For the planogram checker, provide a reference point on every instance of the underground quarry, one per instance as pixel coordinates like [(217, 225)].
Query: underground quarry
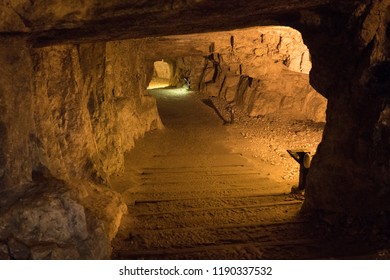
[(195, 129)]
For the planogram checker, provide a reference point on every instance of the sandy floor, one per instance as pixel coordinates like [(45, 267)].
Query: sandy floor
[(264, 141), (201, 189)]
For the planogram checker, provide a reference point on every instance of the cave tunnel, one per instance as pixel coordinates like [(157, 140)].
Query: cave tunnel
[(97, 161), (162, 74)]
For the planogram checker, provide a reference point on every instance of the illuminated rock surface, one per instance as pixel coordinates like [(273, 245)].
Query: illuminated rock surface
[(264, 70), (75, 117)]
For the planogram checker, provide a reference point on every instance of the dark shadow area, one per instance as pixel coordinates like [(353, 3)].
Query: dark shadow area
[(210, 103)]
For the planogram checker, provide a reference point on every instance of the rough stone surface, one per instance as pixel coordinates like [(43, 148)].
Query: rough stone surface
[(64, 143), (4, 252), (18, 250), (137, 111), (90, 106), (190, 67), (54, 252), (55, 220), (15, 111), (349, 47), (265, 70), (262, 69), (68, 112), (44, 213), (350, 173), (120, 19), (162, 70)]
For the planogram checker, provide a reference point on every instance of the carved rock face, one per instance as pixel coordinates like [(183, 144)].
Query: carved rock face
[(263, 69), (349, 173)]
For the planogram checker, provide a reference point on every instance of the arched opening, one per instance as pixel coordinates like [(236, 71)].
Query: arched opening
[(162, 75)]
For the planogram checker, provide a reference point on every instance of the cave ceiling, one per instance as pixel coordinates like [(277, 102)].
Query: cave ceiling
[(70, 21)]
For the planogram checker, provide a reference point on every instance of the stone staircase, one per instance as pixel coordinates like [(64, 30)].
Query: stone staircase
[(218, 208)]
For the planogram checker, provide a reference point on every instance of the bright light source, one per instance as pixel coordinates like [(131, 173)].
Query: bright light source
[(158, 83), (161, 75), (173, 91)]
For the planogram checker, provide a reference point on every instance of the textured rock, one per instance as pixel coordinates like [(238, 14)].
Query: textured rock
[(93, 92), (54, 220), (162, 70), (18, 250), (64, 142), (11, 19), (4, 252), (350, 173), (263, 69), (190, 67), (107, 208), (44, 213), (69, 111), (54, 252), (73, 21), (137, 111), (15, 111)]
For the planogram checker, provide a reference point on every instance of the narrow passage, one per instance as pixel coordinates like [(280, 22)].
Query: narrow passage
[(191, 195)]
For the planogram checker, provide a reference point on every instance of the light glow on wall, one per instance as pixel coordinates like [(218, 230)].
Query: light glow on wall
[(161, 75)]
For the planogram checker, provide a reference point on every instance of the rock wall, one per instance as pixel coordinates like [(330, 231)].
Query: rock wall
[(53, 219), (348, 42), (69, 113), (94, 105), (265, 71), (189, 67), (162, 74), (350, 172), (162, 70), (16, 112)]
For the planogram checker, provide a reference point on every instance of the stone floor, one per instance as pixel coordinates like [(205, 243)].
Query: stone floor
[(192, 194)]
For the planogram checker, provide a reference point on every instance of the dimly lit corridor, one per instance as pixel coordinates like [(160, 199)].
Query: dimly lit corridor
[(193, 192), (97, 161), (191, 196)]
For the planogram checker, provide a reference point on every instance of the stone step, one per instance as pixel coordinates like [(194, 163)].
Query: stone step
[(195, 160), (209, 209), (288, 249), (210, 202), (180, 169), (198, 178), (258, 214), (155, 197)]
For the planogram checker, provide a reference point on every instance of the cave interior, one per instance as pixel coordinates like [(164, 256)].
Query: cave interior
[(160, 129)]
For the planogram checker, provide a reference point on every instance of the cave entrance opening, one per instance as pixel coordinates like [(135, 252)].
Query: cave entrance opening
[(162, 74)]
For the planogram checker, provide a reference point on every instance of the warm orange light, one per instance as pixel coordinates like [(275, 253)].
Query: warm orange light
[(161, 75), (158, 83)]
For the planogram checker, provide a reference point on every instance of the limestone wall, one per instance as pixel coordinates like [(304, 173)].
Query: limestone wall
[(350, 172), (349, 46), (68, 114), (16, 76), (89, 107), (264, 70), (162, 70)]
